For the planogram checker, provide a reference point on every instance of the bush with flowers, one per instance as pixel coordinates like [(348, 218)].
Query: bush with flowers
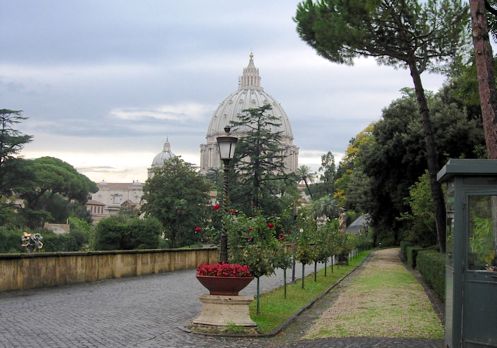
[(210, 234), (224, 270), (252, 241)]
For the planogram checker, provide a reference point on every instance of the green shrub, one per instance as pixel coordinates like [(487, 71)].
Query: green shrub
[(431, 265), (403, 249), (10, 240), (83, 233), (412, 253), (126, 233)]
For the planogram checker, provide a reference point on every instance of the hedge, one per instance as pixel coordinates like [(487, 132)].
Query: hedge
[(412, 253), (403, 252), (431, 265)]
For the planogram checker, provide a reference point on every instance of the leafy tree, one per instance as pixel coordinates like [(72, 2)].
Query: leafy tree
[(54, 186), (305, 239), (252, 242), (398, 146), (178, 197), (328, 170), (420, 219), (401, 33), (125, 233), (259, 162), (352, 186)]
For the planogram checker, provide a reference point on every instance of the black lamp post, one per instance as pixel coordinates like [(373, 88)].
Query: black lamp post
[(227, 146)]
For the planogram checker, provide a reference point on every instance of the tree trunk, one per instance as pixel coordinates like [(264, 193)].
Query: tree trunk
[(431, 156), (485, 73)]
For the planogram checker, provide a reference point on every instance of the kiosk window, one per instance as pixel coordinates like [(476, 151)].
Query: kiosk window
[(482, 233)]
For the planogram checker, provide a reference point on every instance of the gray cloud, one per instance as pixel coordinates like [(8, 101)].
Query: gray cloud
[(122, 76)]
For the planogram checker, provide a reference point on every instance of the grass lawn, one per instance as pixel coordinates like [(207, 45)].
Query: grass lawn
[(383, 300), (275, 310)]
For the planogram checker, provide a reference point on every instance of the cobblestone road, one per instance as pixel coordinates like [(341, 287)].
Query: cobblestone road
[(145, 311)]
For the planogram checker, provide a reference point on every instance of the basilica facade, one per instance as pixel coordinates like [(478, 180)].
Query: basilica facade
[(249, 94)]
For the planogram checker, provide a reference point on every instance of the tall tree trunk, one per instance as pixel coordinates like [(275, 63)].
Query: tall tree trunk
[(431, 156), (485, 72)]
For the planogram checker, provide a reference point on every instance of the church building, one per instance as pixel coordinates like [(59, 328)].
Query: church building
[(249, 94)]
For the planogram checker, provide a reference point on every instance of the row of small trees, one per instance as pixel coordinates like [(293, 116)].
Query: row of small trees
[(264, 245)]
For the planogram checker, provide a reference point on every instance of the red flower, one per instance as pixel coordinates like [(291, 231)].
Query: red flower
[(270, 225), (224, 270), (281, 237), (216, 207), (198, 229)]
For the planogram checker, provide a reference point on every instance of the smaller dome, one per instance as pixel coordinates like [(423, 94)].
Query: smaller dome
[(163, 156)]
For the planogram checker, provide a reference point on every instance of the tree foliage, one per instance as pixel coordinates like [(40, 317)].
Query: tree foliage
[(252, 242), (396, 143), (420, 217), (11, 139), (407, 34), (352, 186), (12, 173), (259, 162), (305, 174), (178, 197), (54, 191), (328, 172)]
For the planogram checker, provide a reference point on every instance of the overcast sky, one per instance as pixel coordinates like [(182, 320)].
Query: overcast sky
[(105, 82)]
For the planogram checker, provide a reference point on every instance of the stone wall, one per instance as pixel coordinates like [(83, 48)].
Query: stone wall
[(27, 271)]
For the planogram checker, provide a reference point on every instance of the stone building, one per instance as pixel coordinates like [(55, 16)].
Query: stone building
[(250, 94), (112, 197)]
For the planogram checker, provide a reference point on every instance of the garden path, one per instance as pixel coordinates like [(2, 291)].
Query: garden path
[(380, 305)]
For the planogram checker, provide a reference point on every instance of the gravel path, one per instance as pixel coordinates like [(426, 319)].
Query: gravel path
[(384, 300)]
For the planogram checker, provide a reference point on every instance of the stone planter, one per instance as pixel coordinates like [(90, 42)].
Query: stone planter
[(224, 286), (220, 314)]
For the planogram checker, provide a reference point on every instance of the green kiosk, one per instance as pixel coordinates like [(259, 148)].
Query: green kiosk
[(471, 266)]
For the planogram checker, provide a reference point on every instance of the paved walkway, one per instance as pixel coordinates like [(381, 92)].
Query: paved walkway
[(148, 311)]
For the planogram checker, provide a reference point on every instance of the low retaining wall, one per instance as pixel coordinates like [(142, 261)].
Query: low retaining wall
[(27, 271)]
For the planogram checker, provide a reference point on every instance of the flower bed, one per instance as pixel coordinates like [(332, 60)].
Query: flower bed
[(224, 270)]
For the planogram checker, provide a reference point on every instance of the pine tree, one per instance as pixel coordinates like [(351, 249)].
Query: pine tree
[(259, 160)]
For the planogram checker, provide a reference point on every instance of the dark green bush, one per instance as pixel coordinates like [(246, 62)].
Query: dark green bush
[(10, 240), (431, 265), (403, 250), (126, 233), (412, 253), (72, 241)]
